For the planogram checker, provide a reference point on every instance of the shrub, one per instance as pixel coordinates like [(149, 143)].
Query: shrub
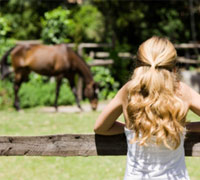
[(4, 27), (5, 44), (36, 92), (57, 26), (89, 24), (123, 66), (40, 92), (6, 94), (108, 85)]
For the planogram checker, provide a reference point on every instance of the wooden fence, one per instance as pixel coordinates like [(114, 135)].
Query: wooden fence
[(103, 62), (78, 145)]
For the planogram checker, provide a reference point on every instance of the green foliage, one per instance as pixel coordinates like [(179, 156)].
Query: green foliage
[(122, 67), (26, 28), (61, 25), (36, 92), (107, 83), (89, 24), (132, 22), (170, 24), (22, 18), (57, 26), (6, 44), (6, 94), (4, 27), (191, 68)]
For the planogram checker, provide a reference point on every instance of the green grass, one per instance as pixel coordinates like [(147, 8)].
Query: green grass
[(192, 163), (35, 122)]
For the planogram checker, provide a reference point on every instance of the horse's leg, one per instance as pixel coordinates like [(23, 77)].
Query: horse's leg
[(58, 84), (74, 90), (16, 89), (17, 83), (19, 78)]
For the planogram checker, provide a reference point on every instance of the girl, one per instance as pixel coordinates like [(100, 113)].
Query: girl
[(154, 104)]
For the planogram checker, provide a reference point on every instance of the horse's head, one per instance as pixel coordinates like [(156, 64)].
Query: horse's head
[(91, 92)]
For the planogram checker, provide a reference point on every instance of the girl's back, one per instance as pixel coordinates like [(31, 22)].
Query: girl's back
[(154, 162)]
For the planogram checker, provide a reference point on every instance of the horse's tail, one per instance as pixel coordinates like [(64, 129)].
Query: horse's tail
[(4, 67)]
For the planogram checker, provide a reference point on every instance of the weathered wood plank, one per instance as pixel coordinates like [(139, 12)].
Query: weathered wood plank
[(78, 145), (101, 62), (25, 42), (187, 45), (187, 60)]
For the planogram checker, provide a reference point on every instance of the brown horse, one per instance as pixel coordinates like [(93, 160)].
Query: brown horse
[(50, 60)]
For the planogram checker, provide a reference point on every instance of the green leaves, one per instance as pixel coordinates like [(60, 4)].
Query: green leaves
[(38, 91), (61, 25), (89, 24), (107, 83), (57, 26), (4, 27), (170, 23)]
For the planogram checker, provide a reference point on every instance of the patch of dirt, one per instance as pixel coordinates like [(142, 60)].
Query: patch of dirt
[(74, 108)]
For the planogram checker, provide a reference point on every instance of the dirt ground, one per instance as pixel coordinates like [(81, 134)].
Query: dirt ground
[(74, 108)]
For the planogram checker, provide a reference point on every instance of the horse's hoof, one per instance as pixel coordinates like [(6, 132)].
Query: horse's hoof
[(17, 108), (56, 109), (81, 109)]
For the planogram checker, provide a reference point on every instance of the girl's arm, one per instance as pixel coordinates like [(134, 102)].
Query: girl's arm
[(194, 102), (106, 123), (194, 105)]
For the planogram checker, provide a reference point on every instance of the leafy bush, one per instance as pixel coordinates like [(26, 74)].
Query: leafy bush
[(108, 85), (6, 94), (5, 44), (57, 26), (36, 92), (61, 25), (4, 27), (22, 18), (89, 24), (122, 67), (170, 24)]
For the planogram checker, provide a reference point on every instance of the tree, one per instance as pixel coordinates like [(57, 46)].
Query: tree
[(89, 24), (57, 26)]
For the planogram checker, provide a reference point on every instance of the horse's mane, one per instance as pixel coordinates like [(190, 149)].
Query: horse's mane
[(81, 58)]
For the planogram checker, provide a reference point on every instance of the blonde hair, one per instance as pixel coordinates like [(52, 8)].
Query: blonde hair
[(153, 105)]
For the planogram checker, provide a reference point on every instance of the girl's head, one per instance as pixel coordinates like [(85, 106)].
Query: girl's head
[(157, 52), (154, 107)]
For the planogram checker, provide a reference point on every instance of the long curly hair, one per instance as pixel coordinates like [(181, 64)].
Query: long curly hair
[(154, 107)]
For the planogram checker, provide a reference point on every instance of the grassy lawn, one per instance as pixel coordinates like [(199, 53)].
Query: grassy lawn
[(35, 122)]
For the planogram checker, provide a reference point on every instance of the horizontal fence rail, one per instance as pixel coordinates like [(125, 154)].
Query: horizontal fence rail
[(81, 46), (78, 145)]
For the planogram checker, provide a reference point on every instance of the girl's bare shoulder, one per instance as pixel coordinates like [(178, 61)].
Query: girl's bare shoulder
[(123, 92), (185, 92)]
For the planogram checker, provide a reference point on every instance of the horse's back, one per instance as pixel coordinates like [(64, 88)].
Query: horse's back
[(44, 59), (17, 56)]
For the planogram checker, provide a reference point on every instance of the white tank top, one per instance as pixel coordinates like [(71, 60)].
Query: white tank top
[(154, 162)]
